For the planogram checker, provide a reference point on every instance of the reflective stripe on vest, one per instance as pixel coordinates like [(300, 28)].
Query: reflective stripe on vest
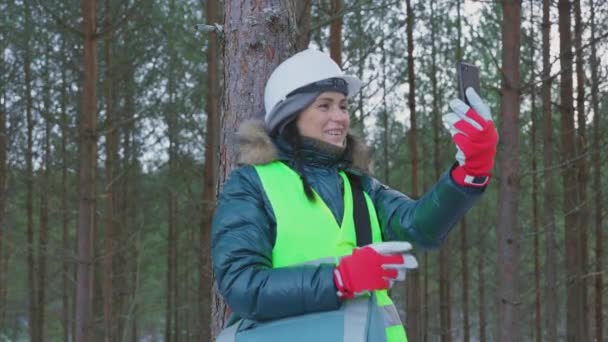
[(307, 232)]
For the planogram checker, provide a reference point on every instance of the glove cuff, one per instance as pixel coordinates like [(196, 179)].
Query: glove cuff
[(461, 177), (342, 291)]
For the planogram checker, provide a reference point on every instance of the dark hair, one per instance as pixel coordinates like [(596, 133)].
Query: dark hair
[(292, 135)]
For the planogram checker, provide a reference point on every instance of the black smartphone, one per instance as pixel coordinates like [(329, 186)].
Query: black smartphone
[(468, 76)]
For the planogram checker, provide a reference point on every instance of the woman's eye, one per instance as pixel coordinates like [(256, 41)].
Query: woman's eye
[(324, 106)]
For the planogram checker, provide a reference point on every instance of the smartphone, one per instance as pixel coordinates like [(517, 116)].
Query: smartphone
[(468, 76)]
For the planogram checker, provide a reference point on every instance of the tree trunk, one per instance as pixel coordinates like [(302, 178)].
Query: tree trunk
[(423, 267), (134, 328), (253, 48), (97, 317), (179, 287), (357, 112), (127, 265), (66, 283), (171, 329), (210, 172), (174, 219), (463, 224), (574, 292), (549, 192), (536, 227), (29, 182), (508, 234), (88, 163), (303, 15), (3, 187), (582, 175), (597, 184), (464, 246), (109, 210), (43, 240), (43, 237), (445, 250), (335, 32), (386, 135), (170, 311), (174, 241), (436, 172), (126, 247), (413, 298), (481, 259), (537, 330), (426, 299)]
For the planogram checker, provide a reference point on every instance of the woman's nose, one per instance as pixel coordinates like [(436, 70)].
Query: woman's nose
[(339, 114)]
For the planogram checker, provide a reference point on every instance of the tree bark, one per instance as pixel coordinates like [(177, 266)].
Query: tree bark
[(170, 305), (172, 322), (445, 250), (413, 298), (443, 318), (29, 174), (481, 285), (537, 330), (303, 15), (597, 184), (574, 291), (43, 237), (211, 170), (464, 264), (253, 48), (88, 163), (357, 112), (508, 232), (423, 268), (3, 187), (127, 265), (335, 32), (386, 134), (110, 188), (426, 299), (549, 193), (463, 224), (536, 227), (66, 284), (170, 330), (171, 315), (582, 174)]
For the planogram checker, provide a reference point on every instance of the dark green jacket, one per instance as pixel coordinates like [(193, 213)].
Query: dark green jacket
[(244, 225)]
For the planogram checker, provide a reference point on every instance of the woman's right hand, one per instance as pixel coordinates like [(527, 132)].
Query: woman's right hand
[(476, 138)]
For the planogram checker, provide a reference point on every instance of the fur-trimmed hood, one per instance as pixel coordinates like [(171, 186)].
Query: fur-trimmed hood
[(257, 147)]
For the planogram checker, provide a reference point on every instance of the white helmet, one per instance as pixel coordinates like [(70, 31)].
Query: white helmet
[(299, 70)]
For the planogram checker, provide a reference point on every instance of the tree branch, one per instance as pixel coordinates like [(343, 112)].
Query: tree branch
[(58, 19)]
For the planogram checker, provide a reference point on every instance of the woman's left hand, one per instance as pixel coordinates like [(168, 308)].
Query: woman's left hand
[(475, 136)]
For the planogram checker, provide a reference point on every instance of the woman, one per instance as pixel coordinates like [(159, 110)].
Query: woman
[(289, 208)]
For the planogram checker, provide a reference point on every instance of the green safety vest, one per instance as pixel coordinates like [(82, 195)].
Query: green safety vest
[(307, 231)]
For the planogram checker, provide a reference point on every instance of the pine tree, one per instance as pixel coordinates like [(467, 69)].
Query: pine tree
[(508, 231), (248, 61)]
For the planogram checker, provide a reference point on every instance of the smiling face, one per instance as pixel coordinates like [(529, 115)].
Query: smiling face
[(326, 119)]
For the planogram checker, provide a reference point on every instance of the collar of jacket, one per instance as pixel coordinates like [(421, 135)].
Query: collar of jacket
[(257, 147)]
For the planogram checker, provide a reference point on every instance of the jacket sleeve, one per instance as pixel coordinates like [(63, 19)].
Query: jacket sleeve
[(426, 221), (242, 238)]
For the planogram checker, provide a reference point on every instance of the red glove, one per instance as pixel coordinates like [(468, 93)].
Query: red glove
[(363, 271), (475, 136)]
